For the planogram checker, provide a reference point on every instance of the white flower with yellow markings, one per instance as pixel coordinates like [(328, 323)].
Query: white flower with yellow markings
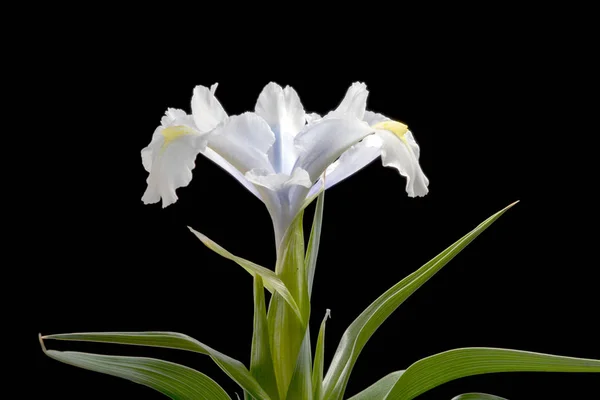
[(279, 152)]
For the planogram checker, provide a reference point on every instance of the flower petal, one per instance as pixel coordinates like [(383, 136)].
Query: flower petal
[(354, 103), (206, 109), (278, 181), (170, 156), (243, 141), (221, 162), (283, 111), (403, 154), (311, 117), (322, 142), (352, 160)]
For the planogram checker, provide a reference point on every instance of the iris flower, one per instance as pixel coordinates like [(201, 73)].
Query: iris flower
[(280, 153)]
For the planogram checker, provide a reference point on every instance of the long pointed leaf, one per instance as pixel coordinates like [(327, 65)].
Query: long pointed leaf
[(477, 396), (173, 380), (363, 327), (233, 368), (312, 249), (379, 389), (270, 279), (318, 366), (261, 363), (435, 370)]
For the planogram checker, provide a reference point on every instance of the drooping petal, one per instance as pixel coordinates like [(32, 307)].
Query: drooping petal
[(206, 109), (170, 157), (402, 153), (283, 111), (322, 142), (354, 103), (243, 141), (352, 160)]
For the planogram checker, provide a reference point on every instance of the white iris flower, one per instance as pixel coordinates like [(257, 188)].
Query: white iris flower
[(280, 153)]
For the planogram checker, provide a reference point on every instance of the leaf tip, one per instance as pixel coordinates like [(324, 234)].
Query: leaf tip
[(41, 339), (327, 313)]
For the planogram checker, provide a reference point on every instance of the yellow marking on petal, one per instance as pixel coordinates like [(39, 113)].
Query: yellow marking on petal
[(397, 128), (173, 132)]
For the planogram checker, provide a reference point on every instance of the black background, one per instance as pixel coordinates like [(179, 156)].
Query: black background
[(487, 104)]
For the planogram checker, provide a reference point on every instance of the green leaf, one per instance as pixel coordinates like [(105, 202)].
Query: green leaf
[(379, 389), (317, 377), (435, 370), (287, 331), (233, 368), (477, 396), (173, 380), (270, 279), (261, 363), (312, 249), (301, 384), (363, 327)]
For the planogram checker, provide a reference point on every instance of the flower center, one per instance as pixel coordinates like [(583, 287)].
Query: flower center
[(397, 128), (173, 132)]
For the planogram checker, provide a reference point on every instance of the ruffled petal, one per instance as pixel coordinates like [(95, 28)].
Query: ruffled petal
[(170, 157), (243, 141), (283, 111), (402, 153), (206, 109)]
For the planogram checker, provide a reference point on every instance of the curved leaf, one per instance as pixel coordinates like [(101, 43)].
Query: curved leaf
[(270, 279), (363, 327), (477, 396), (435, 370), (379, 389), (233, 368), (173, 380)]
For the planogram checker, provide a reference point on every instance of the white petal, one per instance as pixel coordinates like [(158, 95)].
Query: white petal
[(404, 156), (171, 167), (278, 181), (206, 109), (355, 101), (322, 142), (221, 162), (312, 117), (352, 160), (372, 118), (243, 141), (283, 111)]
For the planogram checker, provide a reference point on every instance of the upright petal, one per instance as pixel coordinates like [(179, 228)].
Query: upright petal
[(170, 157), (206, 109), (243, 141), (354, 103), (283, 111), (402, 153)]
